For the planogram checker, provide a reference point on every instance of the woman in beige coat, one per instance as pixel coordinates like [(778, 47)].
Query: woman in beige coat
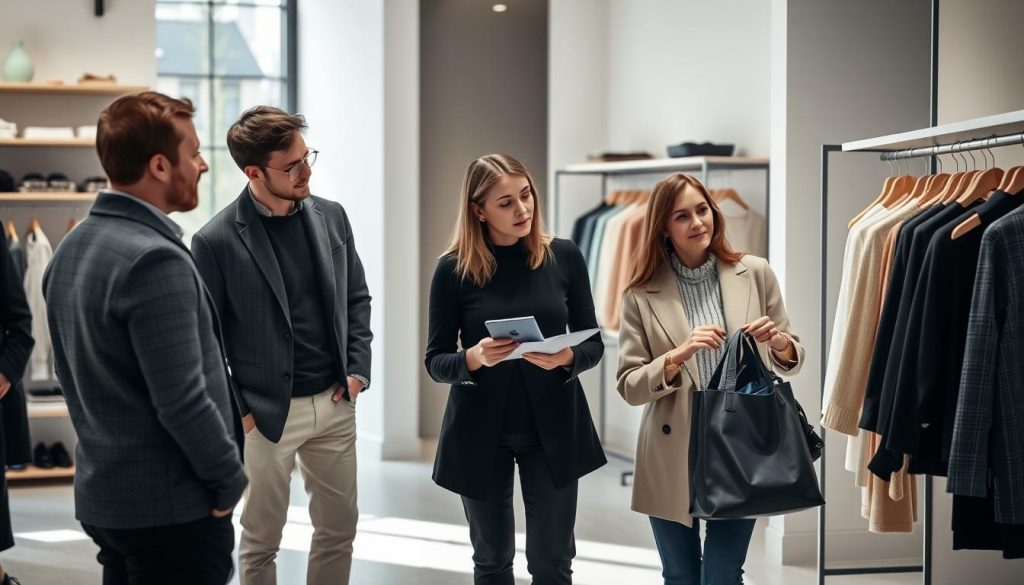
[(688, 290)]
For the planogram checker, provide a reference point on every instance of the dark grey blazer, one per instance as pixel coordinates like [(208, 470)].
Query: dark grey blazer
[(136, 347), (237, 262)]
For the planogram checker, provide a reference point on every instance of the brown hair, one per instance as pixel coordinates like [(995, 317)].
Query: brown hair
[(134, 129), (469, 242), (260, 132), (655, 247)]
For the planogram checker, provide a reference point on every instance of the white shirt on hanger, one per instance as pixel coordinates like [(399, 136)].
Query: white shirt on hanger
[(37, 256), (745, 229)]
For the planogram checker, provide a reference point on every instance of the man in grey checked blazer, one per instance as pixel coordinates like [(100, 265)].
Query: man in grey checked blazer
[(137, 350), (987, 453), (289, 286)]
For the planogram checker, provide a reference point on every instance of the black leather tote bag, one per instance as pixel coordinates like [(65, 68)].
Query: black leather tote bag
[(749, 452)]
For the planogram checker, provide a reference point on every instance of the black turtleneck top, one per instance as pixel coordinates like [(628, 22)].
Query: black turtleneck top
[(557, 295)]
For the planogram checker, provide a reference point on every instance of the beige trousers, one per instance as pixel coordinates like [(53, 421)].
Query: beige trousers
[(323, 435)]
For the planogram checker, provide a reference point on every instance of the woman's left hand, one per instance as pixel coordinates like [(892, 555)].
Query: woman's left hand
[(550, 361), (764, 330)]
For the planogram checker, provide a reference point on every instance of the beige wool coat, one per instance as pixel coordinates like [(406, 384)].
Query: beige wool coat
[(653, 323)]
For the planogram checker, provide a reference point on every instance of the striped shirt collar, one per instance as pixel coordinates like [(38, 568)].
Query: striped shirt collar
[(266, 212)]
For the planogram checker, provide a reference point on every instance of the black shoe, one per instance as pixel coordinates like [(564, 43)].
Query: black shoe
[(16, 467), (41, 458), (60, 456)]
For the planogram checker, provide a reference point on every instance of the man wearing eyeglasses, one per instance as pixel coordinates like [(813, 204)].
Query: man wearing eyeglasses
[(283, 271)]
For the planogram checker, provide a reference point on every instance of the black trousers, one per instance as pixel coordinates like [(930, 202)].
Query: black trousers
[(196, 553), (550, 519)]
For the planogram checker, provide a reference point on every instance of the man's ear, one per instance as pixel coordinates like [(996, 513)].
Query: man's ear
[(253, 172), (161, 168)]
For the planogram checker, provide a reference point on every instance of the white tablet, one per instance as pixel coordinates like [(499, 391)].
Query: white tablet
[(521, 329)]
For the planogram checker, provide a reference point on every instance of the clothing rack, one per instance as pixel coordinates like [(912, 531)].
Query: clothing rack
[(979, 134), (698, 164)]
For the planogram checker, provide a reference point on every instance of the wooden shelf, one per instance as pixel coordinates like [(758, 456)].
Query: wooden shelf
[(32, 472), (55, 409), (70, 142), (70, 89), (47, 197)]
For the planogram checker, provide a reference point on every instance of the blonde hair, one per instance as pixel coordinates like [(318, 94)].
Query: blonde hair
[(469, 239), (654, 249)]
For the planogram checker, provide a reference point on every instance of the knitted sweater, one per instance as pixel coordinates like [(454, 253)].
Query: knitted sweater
[(702, 302)]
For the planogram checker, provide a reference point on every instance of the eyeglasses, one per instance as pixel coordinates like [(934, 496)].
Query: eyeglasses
[(295, 171)]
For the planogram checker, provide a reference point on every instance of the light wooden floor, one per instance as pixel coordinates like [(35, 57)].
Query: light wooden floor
[(411, 532)]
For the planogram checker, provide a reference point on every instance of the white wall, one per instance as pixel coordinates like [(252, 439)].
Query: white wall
[(688, 70), (483, 90), (363, 122), (843, 73), (78, 42)]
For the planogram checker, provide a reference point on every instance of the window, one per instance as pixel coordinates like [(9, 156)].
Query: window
[(225, 56)]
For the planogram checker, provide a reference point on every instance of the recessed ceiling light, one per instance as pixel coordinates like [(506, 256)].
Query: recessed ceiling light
[(499, 8)]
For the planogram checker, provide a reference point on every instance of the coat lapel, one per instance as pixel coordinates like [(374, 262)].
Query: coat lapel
[(255, 238), (734, 280), (667, 307), (316, 225)]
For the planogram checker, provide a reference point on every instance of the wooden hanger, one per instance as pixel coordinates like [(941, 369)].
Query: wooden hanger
[(12, 231), (956, 188), (934, 189), (902, 187), (731, 195), (1013, 180), (71, 224), (886, 189), (979, 188), (915, 191), (981, 185), (33, 225)]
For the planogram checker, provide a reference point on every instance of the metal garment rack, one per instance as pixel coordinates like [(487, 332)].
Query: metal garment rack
[(979, 134), (702, 164)]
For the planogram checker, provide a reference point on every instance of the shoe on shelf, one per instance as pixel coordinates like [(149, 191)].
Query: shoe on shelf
[(41, 458), (16, 467), (60, 456)]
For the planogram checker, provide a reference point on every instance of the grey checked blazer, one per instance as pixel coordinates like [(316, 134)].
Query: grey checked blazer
[(136, 347), (988, 433), (237, 262)]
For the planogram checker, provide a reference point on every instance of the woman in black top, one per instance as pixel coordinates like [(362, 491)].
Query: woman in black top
[(531, 412)]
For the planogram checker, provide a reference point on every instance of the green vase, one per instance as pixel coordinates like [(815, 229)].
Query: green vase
[(17, 66)]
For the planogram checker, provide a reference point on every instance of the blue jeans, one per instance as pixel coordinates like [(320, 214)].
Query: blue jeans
[(725, 549)]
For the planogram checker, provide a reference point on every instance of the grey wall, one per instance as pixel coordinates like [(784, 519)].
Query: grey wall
[(483, 88), (979, 75)]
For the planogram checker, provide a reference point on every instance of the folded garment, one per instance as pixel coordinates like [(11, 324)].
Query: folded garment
[(8, 129), (618, 156), (49, 133), (86, 132)]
